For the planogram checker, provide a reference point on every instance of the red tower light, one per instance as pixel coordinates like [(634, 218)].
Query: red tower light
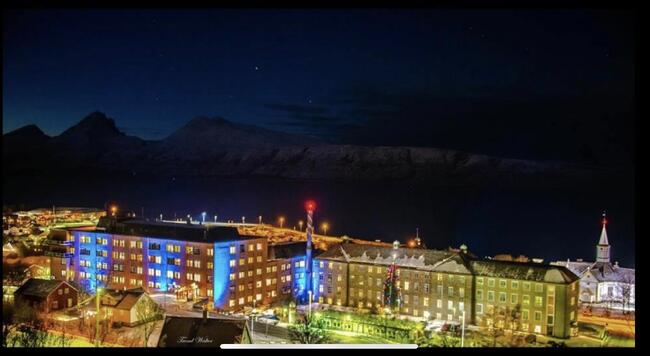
[(310, 205)]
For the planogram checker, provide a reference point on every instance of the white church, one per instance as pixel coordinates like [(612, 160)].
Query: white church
[(602, 281)]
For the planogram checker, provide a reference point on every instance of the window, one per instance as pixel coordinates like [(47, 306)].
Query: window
[(439, 290), (479, 308), (233, 250), (232, 277), (450, 291), (233, 263), (538, 315), (490, 296), (461, 306), (538, 301), (539, 287), (479, 281), (527, 286), (503, 283), (525, 299), (490, 282), (210, 252), (513, 298), (525, 314), (450, 304), (479, 294), (461, 292), (503, 297), (514, 285), (406, 285)]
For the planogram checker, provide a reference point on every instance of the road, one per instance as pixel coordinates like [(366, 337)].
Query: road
[(620, 325)]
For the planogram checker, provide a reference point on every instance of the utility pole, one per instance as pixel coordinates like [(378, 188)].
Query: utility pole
[(462, 337), (97, 302)]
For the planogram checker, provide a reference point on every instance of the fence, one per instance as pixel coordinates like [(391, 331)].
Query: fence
[(367, 328)]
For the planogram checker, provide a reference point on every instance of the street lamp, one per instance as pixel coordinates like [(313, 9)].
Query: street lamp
[(260, 219), (98, 292), (325, 226), (203, 216), (462, 337), (160, 217), (300, 224), (215, 218), (281, 221), (310, 298), (113, 210), (243, 220)]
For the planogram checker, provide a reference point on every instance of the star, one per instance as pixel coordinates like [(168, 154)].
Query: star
[(309, 101), (257, 68)]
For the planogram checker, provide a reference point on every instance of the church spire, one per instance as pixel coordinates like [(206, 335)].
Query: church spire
[(602, 250)]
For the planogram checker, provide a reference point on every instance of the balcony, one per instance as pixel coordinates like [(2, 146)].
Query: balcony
[(59, 254), (52, 242)]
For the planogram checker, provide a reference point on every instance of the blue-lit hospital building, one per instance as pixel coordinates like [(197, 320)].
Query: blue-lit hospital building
[(192, 261)]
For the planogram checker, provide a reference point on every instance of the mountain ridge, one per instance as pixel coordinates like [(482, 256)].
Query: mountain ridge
[(215, 146)]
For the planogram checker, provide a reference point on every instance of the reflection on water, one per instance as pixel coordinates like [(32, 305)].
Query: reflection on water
[(551, 224)]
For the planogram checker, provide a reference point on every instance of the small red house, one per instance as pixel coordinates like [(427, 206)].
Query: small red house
[(46, 295)]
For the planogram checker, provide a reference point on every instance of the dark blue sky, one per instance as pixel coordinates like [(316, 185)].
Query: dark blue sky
[(539, 84)]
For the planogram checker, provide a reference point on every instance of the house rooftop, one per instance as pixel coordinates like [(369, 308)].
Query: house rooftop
[(523, 271), (41, 288), (169, 230), (432, 260)]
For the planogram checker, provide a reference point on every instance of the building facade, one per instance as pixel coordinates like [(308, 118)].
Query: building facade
[(450, 285), (46, 295), (603, 281), (194, 261)]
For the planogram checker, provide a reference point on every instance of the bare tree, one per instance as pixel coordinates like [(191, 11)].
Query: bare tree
[(147, 312), (625, 288), (309, 330)]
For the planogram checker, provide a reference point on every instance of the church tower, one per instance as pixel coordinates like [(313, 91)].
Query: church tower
[(602, 249)]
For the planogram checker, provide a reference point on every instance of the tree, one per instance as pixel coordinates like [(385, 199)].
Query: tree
[(147, 312), (392, 295), (8, 326), (625, 291), (28, 328), (309, 330)]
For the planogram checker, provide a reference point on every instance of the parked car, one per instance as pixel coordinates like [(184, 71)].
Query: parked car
[(434, 325), (268, 319)]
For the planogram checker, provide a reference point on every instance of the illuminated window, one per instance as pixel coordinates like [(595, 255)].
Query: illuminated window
[(210, 252), (250, 273), (250, 259), (197, 277), (439, 303), (241, 300), (258, 271), (321, 264), (525, 314), (210, 265), (525, 299), (538, 301), (242, 275), (232, 277), (406, 285), (259, 259), (231, 303), (242, 261), (259, 246), (233, 250)]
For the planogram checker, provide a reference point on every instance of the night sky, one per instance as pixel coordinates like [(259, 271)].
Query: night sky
[(527, 84)]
